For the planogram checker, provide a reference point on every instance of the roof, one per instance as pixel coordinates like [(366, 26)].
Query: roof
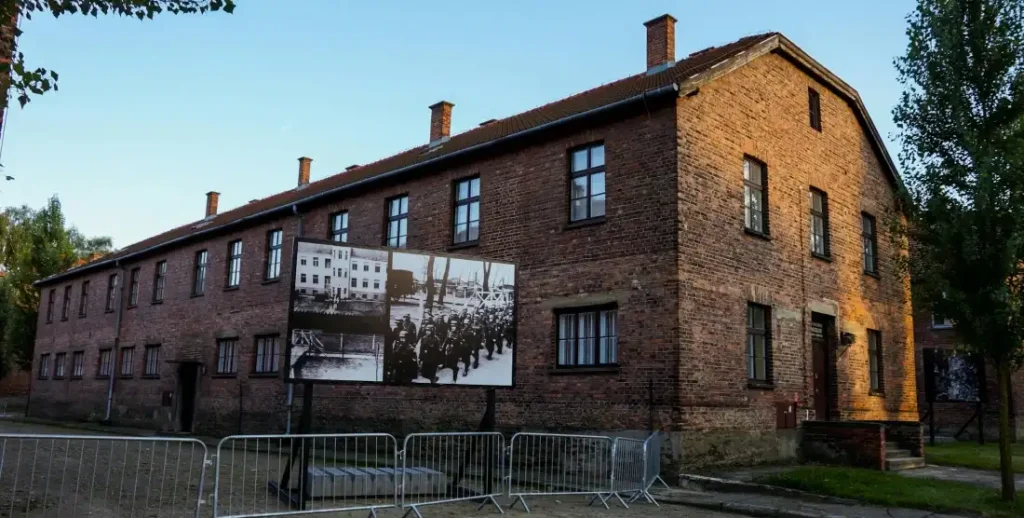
[(696, 68)]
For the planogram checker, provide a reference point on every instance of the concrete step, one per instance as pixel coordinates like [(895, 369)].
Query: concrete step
[(896, 453), (904, 463)]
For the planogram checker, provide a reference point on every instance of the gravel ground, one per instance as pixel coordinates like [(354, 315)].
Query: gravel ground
[(148, 478)]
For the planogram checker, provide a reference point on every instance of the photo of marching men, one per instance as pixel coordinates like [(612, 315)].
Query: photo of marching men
[(452, 321), (339, 313)]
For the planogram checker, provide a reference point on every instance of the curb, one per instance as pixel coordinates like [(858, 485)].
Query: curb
[(711, 484), (100, 428), (741, 508)]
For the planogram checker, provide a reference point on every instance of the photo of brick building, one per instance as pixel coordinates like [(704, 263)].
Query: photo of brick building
[(726, 211)]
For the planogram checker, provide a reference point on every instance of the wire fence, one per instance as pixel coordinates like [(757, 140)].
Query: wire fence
[(71, 475), (560, 464), (441, 468), (261, 475), (282, 475)]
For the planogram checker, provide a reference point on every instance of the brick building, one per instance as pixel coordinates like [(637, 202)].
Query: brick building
[(956, 413), (726, 208)]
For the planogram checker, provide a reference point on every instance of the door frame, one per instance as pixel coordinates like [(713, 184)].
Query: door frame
[(180, 399), (829, 403)]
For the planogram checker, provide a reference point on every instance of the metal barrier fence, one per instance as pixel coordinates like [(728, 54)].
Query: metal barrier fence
[(560, 464), (629, 475), (654, 462), (441, 468), (70, 475), (278, 475)]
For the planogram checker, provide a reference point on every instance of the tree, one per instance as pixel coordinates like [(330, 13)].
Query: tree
[(961, 122), (444, 281), (25, 80), (34, 245)]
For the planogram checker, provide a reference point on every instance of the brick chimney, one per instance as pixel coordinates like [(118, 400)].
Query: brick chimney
[(661, 43), (211, 203), (440, 122), (304, 163)]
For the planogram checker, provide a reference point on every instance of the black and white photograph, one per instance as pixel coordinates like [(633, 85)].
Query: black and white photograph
[(952, 376), (339, 313), (452, 321)]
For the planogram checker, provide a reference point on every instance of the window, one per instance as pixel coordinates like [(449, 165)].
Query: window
[(59, 366), (159, 281), (398, 221), (588, 337), (586, 193), (77, 364), (467, 211), (151, 366), (274, 240), (366, 267), (339, 227), (234, 263), (49, 306), (302, 261), (316, 279), (870, 243), (875, 371), (83, 299), (127, 362), (366, 284), (266, 354), (302, 277), (814, 107), (316, 261), (133, 292), (105, 364), (65, 308), (111, 292), (755, 196), (376, 284), (376, 268), (759, 343), (327, 263), (940, 321), (199, 275), (44, 366), (226, 355), (355, 282), (819, 223)]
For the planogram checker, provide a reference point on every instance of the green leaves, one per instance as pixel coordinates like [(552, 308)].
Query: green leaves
[(961, 122), (27, 82), (34, 244)]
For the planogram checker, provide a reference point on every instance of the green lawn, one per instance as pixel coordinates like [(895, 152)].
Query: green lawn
[(892, 490), (972, 455)]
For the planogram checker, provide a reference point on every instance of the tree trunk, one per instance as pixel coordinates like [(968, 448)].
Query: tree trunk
[(487, 276), (429, 303), (444, 282), (1005, 455)]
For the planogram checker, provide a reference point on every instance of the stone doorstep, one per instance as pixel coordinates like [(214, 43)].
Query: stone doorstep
[(712, 484), (896, 453), (904, 463)]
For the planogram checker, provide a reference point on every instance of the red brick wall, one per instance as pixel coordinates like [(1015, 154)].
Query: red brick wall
[(760, 110), (672, 254), (628, 259), (856, 444)]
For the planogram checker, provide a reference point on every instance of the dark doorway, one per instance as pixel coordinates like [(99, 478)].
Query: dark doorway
[(188, 374), (822, 341)]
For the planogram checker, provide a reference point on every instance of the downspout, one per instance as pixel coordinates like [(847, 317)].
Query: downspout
[(291, 386), (117, 342)]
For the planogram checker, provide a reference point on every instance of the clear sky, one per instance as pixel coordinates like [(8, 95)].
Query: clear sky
[(151, 115)]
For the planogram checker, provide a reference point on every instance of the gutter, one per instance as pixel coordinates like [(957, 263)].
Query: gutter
[(115, 350), (649, 94)]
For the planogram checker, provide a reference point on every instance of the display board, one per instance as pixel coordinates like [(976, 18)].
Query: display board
[(375, 315), (952, 377)]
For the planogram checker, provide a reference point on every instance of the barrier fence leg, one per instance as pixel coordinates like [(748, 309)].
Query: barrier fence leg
[(519, 498), (412, 511), (490, 499)]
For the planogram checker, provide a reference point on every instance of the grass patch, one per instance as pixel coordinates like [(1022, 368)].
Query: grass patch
[(973, 455), (892, 490)]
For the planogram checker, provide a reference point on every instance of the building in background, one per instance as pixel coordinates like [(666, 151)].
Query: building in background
[(698, 250)]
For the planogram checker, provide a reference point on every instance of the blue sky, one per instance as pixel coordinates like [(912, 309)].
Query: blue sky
[(151, 115)]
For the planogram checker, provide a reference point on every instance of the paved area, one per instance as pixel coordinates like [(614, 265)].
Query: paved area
[(767, 505), (977, 477)]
